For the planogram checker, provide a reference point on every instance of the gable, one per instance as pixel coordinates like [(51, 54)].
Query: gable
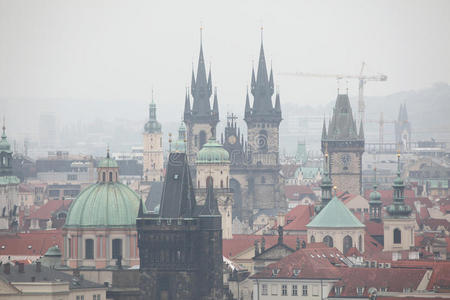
[(277, 252)]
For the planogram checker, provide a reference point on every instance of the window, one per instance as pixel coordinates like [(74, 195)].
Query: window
[(263, 180), (347, 243), (360, 243), (383, 289), (116, 248), (294, 290), (315, 290), (264, 289), (360, 291), (305, 290), (328, 240), (202, 138), (338, 290), (313, 239), (80, 297), (283, 290), (110, 176), (273, 289), (406, 290), (96, 297), (103, 176), (397, 236), (89, 249)]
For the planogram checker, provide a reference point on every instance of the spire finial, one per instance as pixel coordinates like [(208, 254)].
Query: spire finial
[(375, 178), (4, 127), (398, 163), (153, 94), (335, 190), (262, 34), (107, 151), (201, 33)]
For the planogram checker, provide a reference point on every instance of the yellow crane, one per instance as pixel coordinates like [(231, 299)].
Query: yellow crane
[(363, 79)]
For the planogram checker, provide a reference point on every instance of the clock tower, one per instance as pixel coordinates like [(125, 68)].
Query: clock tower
[(345, 146)]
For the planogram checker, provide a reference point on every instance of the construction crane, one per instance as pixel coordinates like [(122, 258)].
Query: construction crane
[(362, 81), (381, 123)]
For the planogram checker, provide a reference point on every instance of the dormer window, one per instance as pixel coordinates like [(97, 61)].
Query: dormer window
[(275, 272), (360, 291), (296, 272), (338, 290)]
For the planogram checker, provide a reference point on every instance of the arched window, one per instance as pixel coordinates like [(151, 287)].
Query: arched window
[(198, 183), (110, 176), (116, 248), (263, 180), (348, 242), (313, 239), (89, 249), (221, 184), (397, 236), (360, 244), (209, 179), (328, 240), (103, 176)]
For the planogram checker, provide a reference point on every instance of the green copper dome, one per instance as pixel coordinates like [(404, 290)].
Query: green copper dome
[(335, 215), (53, 251), (212, 153), (375, 196), (104, 205), (4, 145)]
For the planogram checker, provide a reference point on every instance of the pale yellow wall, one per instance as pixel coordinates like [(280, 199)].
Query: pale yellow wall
[(219, 173), (358, 203), (338, 235), (406, 226), (317, 289), (192, 133), (153, 158)]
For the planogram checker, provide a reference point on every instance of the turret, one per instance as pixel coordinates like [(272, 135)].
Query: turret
[(398, 208), (375, 201)]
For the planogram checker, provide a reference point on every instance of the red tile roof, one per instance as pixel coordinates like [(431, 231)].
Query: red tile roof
[(434, 224), (374, 228), (242, 242), (445, 209), (387, 195), (353, 252), (440, 276), (46, 210), (310, 263), (298, 217), (371, 247), (392, 279), (40, 241)]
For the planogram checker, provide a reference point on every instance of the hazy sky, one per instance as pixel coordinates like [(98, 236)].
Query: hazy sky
[(116, 50)]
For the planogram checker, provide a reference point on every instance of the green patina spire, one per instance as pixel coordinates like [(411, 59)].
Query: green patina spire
[(398, 208)]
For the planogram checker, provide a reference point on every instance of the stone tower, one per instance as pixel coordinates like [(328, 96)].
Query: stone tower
[(398, 224), (403, 130), (180, 247), (326, 187), (375, 202), (200, 119), (153, 159), (261, 185), (345, 146)]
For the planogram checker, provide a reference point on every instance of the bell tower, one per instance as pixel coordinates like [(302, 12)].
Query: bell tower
[(345, 146), (200, 119), (153, 149)]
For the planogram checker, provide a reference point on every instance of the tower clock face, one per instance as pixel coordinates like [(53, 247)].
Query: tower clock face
[(345, 158), (232, 139)]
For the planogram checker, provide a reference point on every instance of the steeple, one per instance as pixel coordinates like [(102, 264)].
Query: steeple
[(262, 89), (398, 208), (361, 131), (277, 104), (375, 201), (247, 106), (324, 130), (342, 125), (210, 207), (326, 185), (187, 106), (5, 154), (215, 105), (152, 126)]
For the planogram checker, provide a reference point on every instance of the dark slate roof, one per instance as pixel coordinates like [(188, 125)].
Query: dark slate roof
[(53, 165), (178, 199), (154, 195), (129, 167), (46, 275), (342, 125)]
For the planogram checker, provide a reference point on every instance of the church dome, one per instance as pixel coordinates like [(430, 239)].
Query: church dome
[(212, 153), (152, 126), (110, 204)]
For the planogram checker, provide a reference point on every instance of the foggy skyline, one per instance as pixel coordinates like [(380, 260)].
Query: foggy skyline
[(116, 51)]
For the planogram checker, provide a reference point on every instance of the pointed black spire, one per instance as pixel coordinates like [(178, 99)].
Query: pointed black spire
[(193, 82), (277, 104), (215, 106), (141, 208), (209, 82), (361, 131), (187, 106), (247, 106), (253, 84), (324, 130), (210, 208), (271, 84)]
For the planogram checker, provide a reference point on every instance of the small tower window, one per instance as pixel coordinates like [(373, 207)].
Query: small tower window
[(116, 248), (89, 249), (397, 236), (328, 240), (110, 177), (313, 239), (103, 177), (221, 184)]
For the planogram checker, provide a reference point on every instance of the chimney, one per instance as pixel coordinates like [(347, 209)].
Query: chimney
[(38, 267), (21, 267), (7, 268), (281, 219)]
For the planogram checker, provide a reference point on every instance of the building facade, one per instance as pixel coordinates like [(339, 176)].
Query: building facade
[(153, 158), (345, 146), (100, 229), (181, 245)]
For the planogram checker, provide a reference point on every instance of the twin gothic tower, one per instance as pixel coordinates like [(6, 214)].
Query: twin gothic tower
[(254, 163)]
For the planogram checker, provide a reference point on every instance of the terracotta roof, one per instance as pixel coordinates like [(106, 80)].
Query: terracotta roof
[(309, 263), (440, 276), (424, 214), (298, 217), (289, 170), (374, 228), (371, 246), (297, 192), (445, 209), (26, 188), (353, 252), (387, 195), (408, 298), (435, 223), (46, 210), (33, 243), (242, 242), (395, 280)]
